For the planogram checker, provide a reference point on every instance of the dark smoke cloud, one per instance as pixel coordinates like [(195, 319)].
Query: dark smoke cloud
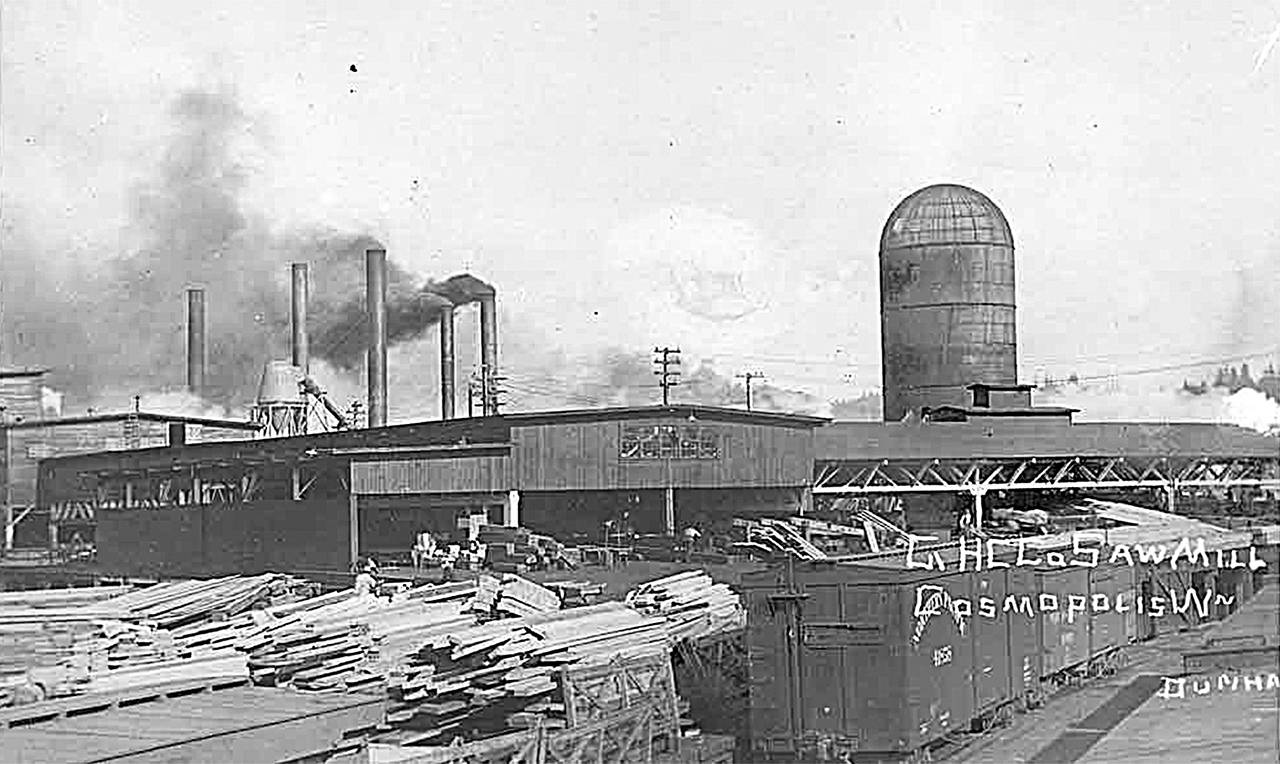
[(338, 328), (117, 324)]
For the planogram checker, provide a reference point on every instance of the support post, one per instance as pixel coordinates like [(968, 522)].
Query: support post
[(669, 510), (295, 482), (977, 508), (511, 510), (1171, 498), (53, 532), (353, 525), (8, 527)]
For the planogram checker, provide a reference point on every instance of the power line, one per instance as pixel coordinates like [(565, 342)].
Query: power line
[(668, 374)]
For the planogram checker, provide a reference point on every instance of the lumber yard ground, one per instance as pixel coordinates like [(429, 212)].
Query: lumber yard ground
[(1136, 716)]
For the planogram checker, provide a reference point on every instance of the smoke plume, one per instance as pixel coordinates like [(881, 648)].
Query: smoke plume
[(115, 327)]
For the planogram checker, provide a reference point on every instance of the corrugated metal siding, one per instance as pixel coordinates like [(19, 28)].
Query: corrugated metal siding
[(587, 456), (473, 474), (857, 441)]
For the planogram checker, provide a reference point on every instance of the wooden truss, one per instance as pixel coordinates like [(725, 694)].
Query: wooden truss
[(1042, 473)]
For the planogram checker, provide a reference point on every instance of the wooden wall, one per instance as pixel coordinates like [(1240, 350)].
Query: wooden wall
[(454, 475), (217, 540), (586, 456)]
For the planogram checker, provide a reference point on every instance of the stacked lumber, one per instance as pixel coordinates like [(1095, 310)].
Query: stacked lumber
[(773, 539), (512, 595), (182, 603), (483, 681), (693, 605), (344, 641)]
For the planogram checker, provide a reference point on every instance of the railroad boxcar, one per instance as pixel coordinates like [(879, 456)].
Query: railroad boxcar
[(872, 659), (875, 659)]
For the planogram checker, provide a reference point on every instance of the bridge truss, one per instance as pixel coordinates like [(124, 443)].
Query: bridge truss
[(978, 477)]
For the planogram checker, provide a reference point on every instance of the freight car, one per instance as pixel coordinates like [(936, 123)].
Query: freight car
[(880, 658)]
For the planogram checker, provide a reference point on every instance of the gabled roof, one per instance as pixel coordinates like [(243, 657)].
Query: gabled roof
[(682, 411)]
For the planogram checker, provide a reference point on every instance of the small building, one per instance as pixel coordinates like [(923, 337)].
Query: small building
[(31, 432)]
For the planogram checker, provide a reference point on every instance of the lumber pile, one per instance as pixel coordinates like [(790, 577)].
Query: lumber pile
[(347, 641), (693, 605), (771, 539), (512, 595), (486, 680)]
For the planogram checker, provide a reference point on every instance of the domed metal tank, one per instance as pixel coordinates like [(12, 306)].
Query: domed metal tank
[(946, 299)]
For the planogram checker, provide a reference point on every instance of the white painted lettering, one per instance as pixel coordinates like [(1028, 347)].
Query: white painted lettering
[(1102, 603), (1048, 603), (1022, 554), (1121, 607), (1229, 679), (1075, 604), (1254, 562), (1184, 549), (991, 554), (1019, 604), (1190, 595), (1091, 553), (1225, 600), (1196, 688), (1251, 681), (1173, 688), (963, 608), (912, 562), (986, 607), (1152, 555), (1056, 559), (1157, 606), (1118, 551), (1273, 682)]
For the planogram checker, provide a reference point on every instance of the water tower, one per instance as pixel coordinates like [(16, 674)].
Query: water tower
[(947, 300)]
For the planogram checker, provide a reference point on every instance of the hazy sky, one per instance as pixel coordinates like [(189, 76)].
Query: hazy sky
[(588, 161)]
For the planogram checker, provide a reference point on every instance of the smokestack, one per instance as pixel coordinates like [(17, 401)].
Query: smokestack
[(376, 309), (301, 357), (488, 347), (448, 371), (195, 341)]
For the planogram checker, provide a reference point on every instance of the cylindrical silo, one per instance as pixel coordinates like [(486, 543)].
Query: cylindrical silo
[(946, 299)]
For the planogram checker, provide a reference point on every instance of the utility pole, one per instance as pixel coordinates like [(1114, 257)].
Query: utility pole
[(474, 391), (668, 374), (749, 377), (492, 391)]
